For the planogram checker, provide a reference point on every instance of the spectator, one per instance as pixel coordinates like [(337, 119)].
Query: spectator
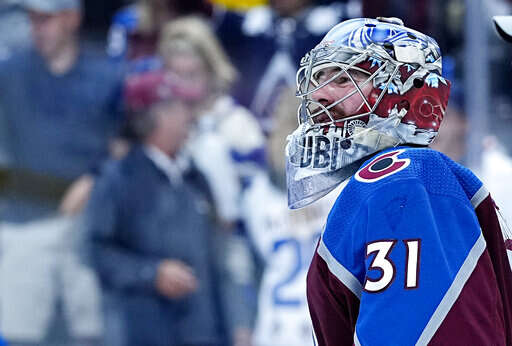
[(56, 100), (452, 140), (150, 228), (496, 167), (284, 239), (267, 42), (280, 34), (419, 13), (135, 29), (227, 146), (12, 15), (239, 5), (201, 74)]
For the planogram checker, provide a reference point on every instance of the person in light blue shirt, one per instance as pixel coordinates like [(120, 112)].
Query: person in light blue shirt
[(56, 108)]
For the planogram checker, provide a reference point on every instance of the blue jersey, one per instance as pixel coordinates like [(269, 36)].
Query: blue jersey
[(412, 254)]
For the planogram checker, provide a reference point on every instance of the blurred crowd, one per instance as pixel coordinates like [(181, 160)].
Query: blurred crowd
[(142, 178)]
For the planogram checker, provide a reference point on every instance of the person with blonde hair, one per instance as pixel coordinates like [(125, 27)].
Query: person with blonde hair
[(193, 35), (201, 74), (227, 147)]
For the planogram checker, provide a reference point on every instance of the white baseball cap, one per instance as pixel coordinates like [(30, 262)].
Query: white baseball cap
[(52, 6), (503, 25)]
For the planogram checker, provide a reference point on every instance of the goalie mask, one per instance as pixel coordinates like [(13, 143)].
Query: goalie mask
[(370, 84)]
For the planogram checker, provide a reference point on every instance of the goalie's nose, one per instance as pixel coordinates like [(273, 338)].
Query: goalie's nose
[(324, 95)]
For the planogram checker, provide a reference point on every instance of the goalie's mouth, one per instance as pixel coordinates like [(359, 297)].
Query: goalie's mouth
[(323, 118)]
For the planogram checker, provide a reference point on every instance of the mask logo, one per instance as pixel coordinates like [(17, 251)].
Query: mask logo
[(382, 166), (318, 152)]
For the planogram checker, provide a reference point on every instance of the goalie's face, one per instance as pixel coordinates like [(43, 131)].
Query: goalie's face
[(344, 96)]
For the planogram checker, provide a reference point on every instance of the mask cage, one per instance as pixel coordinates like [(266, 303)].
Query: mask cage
[(346, 59)]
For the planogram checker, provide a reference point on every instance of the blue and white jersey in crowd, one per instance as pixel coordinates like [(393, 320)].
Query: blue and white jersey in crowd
[(228, 148), (286, 240)]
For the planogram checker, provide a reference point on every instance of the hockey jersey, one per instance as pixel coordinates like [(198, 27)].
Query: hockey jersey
[(412, 254), (285, 239)]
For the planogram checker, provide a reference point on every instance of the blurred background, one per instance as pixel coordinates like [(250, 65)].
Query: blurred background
[(142, 188)]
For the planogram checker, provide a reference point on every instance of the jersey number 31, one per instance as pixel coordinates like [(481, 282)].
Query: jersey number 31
[(385, 265)]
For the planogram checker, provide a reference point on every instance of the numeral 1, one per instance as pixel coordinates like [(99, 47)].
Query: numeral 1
[(412, 265)]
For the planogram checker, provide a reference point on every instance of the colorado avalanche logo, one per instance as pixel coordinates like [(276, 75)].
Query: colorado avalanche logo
[(382, 166)]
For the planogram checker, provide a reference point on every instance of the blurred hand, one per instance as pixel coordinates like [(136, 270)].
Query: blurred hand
[(76, 195), (175, 279), (118, 148), (242, 337)]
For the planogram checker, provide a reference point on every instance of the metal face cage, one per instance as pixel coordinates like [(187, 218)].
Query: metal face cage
[(344, 60)]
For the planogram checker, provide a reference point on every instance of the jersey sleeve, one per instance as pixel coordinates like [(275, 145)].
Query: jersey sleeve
[(411, 267), (333, 295)]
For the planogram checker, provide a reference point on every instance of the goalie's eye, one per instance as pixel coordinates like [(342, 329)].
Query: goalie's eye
[(340, 77), (341, 80), (325, 74), (318, 76)]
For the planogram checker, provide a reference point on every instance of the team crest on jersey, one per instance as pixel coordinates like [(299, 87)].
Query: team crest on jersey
[(382, 166)]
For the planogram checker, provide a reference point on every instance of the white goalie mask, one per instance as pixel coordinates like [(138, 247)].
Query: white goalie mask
[(370, 84)]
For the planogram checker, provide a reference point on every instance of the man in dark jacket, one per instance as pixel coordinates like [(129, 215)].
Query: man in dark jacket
[(150, 230)]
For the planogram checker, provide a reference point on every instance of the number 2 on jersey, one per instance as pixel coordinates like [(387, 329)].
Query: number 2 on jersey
[(301, 252)]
